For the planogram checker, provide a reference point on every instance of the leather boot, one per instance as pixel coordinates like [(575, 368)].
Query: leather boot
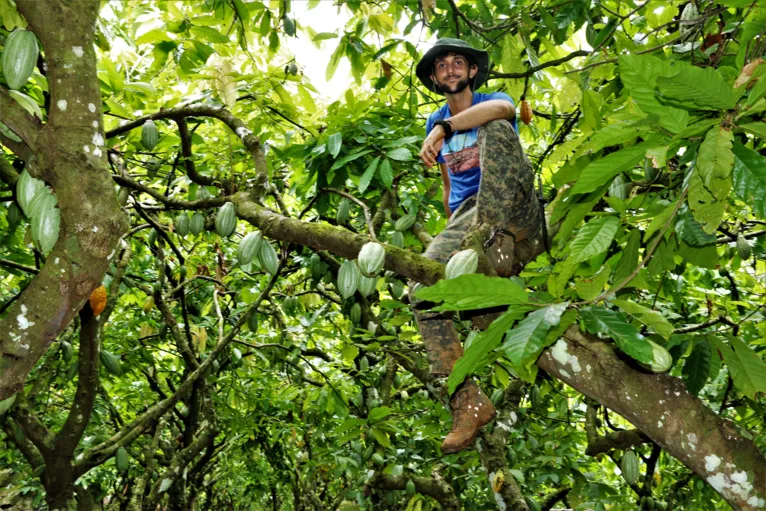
[(471, 410)]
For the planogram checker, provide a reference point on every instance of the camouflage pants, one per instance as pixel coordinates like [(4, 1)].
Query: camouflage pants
[(506, 201)]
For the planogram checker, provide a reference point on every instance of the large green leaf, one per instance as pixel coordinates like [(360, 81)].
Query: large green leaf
[(651, 318), (745, 367), (706, 209), (697, 366), (698, 87), (690, 231), (715, 161), (369, 173), (334, 143), (603, 170), (525, 341), (473, 291), (594, 238), (629, 258), (750, 177), (613, 324)]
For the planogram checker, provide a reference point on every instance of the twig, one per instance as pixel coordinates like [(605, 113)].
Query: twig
[(220, 316), (614, 59), (533, 70), (702, 326), (367, 217)]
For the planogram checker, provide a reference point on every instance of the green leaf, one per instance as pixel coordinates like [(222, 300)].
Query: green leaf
[(386, 173), (690, 231), (211, 34), (745, 367), (704, 257), (651, 318), (629, 258), (381, 437), (755, 128), (349, 158), (697, 366), (332, 65), (369, 173), (706, 209), (400, 154), (334, 143), (603, 170), (612, 323), (379, 413), (698, 87), (715, 161), (473, 291), (594, 238), (323, 36), (29, 104), (750, 177), (525, 341), (589, 288)]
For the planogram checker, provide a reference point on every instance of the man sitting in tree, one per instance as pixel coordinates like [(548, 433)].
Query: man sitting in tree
[(488, 182)]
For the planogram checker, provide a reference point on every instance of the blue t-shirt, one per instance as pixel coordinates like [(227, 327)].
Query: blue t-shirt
[(461, 152)]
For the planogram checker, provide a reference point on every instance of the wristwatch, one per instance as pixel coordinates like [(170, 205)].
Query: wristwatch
[(446, 126)]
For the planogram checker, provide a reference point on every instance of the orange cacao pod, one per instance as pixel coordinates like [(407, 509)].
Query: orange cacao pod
[(98, 300), (526, 112)]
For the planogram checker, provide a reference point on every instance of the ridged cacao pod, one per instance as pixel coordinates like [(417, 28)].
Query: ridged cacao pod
[(647, 503), (377, 458), (226, 220), (111, 362), (372, 256), (26, 189), (252, 322), (316, 267), (14, 215), (355, 314), (535, 396), (405, 222), (743, 248), (629, 467), (661, 362), (462, 263), (197, 223), (410, 488), (397, 239), (121, 460), (182, 224), (367, 285), (249, 247), (19, 57), (66, 351), (42, 201), (348, 278), (45, 224), (660, 505), (98, 300), (267, 256), (291, 305), (344, 207), (526, 112), (690, 13), (618, 187), (150, 135)]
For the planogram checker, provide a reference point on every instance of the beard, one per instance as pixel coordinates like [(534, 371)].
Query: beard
[(454, 89)]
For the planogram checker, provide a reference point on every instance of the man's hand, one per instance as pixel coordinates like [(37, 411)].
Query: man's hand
[(432, 145)]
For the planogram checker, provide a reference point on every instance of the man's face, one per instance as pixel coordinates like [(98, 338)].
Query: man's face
[(453, 73)]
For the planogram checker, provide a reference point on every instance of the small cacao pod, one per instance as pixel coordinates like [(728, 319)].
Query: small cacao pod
[(526, 112), (98, 300), (26, 190), (14, 215), (197, 223), (267, 257), (629, 467), (410, 488), (377, 458), (743, 248), (19, 57), (226, 220), (372, 256), (150, 135), (344, 208), (647, 503), (45, 226), (252, 322), (316, 266), (348, 278), (397, 239), (355, 314), (397, 289), (291, 305), (111, 362), (462, 263), (662, 360), (43, 200), (66, 351), (535, 396), (249, 247), (405, 222), (182, 224), (121, 460), (367, 285), (497, 396), (152, 237)]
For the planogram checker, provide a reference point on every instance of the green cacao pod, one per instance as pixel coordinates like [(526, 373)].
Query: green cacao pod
[(152, 237), (660, 505), (45, 225), (197, 223), (111, 362), (73, 370), (226, 220), (690, 13), (291, 305), (513, 458), (629, 467), (14, 215), (267, 257), (743, 248), (150, 135), (662, 360), (535, 396), (397, 239), (316, 267), (66, 351), (42, 202), (618, 187), (182, 224), (378, 459), (367, 285), (462, 263), (26, 189), (252, 322), (348, 278), (19, 57), (410, 488), (372, 256), (121, 460), (405, 222), (497, 396), (344, 207), (355, 314), (397, 289), (249, 247), (647, 503), (348, 505)]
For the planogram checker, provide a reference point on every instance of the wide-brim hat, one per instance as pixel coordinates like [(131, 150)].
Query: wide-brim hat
[(425, 67)]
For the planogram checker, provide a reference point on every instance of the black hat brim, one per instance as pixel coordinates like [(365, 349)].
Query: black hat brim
[(426, 65)]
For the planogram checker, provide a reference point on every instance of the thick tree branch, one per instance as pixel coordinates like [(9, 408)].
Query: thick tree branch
[(435, 488), (534, 69), (21, 122)]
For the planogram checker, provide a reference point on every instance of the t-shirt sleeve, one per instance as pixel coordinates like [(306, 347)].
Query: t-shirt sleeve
[(501, 95)]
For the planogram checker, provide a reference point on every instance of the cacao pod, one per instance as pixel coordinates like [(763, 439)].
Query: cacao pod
[(150, 135), (26, 189), (355, 314), (532, 504), (121, 460), (111, 362), (197, 223), (45, 226), (378, 459), (367, 285), (344, 207), (14, 215), (348, 278), (743, 248), (497, 397), (73, 370), (410, 488), (152, 237), (19, 57), (267, 257), (690, 13), (629, 467), (372, 256), (526, 112), (252, 322), (249, 247), (618, 187), (397, 239), (182, 224), (316, 267), (535, 396), (42, 202), (660, 505), (226, 220), (405, 222), (513, 458), (661, 362), (364, 364), (647, 503), (291, 305), (66, 351), (462, 263), (98, 300)]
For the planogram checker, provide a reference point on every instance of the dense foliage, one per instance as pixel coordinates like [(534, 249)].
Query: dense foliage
[(242, 363)]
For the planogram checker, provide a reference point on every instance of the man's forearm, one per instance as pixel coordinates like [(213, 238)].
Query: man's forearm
[(481, 113)]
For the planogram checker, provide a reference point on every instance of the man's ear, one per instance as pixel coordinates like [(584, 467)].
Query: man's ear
[(436, 84), (472, 71)]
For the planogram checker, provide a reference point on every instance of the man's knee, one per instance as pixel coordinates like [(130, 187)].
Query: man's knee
[(498, 127)]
